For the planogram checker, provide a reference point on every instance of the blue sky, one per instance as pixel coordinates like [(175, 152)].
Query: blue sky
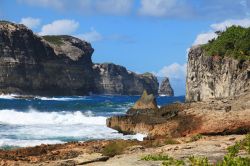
[(142, 35)]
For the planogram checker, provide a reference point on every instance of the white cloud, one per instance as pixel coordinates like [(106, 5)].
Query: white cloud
[(30, 22), (60, 27), (223, 25), (91, 36), (173, 71), (58, 4), (114, 6), (160, 8), (203, 38)]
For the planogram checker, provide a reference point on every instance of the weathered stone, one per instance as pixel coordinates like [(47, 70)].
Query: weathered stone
[(165, 88), (146, 102), (186, 119), (210, 77)]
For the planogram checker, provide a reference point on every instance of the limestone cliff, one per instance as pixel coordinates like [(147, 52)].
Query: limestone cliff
[(215, 76), (60, 65), (115, 79), (165, 88)]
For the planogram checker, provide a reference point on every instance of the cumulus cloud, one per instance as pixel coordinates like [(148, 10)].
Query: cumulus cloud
[(113, 7), (203, 38), (59, 27), (91, 36), (161, 8), (173, 71), (223, 25), (30, 22), (58, 4)]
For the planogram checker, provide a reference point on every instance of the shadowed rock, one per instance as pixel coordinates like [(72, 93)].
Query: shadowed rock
[(165, 88)]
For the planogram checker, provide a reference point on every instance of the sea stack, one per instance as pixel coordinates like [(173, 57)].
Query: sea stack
[(165, 88)]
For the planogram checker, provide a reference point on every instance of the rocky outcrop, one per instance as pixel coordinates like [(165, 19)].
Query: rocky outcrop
[(226, 116), (210, 77), (165, 88), (146, 102), (115, 79), (60, 65)]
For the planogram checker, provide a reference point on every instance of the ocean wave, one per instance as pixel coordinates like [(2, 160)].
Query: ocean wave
[(32, 117), (60, 98), (8, 96)]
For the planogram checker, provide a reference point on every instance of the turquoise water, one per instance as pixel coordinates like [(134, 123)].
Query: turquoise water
[(43, 120)]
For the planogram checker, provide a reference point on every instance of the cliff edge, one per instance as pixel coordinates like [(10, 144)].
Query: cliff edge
[(60, 65)]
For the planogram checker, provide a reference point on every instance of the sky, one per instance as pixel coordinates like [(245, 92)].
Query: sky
[(142, 35)]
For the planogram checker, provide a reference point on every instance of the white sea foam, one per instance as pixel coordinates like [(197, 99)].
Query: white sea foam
[(35, 118), (61, 98), (8, 96), (26, 143)]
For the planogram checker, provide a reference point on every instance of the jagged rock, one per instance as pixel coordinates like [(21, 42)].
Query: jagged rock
[(60, 65), (187, 119), (211, 77), (165, 88), (146, 102)]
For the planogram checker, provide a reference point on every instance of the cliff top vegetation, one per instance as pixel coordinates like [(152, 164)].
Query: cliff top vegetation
[(54, 39), (233, 42)]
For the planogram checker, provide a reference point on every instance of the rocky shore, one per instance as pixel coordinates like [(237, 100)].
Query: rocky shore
[(127, 153)]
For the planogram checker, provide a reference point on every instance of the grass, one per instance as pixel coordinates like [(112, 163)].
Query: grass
[(234, 42), (198, 161), (165, 158), (232, 157), (57, 40)]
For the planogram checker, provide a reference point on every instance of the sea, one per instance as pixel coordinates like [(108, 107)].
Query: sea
[(50, 120)]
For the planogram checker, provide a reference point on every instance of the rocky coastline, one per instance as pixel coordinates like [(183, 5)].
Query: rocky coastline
[(215, 118), (61, 66)]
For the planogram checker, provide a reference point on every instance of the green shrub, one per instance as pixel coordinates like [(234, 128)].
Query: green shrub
[(198, 161), (165, 158), (196, 137), (234, 42), (57, 40), (115, 148), (170, 141)]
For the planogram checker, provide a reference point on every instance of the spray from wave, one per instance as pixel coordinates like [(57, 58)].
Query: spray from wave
[(33, 117)]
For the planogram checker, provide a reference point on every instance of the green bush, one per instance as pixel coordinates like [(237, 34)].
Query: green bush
[(198, 161), (196, 137), (165, 158), (170, 141), (115, 148), (57, 40), (230, 159), (234, 42)]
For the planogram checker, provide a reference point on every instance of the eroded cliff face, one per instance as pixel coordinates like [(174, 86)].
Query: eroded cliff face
[(211, 77), (60, 65), (115, 79)]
